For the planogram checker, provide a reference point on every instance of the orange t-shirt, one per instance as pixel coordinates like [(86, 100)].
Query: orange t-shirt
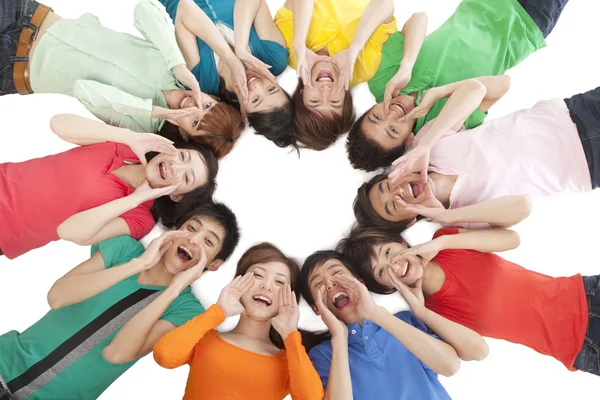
[(502, 300), (221, 370)]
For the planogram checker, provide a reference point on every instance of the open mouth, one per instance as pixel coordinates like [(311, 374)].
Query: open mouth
[(414, 189), (399, 109), (405, 269), (251, 80), (340, 299), (264, 300), (325, 76), (162, 170), (184, 102), (184, 253)]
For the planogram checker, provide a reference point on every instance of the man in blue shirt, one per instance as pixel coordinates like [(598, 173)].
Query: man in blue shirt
[(373, 354)]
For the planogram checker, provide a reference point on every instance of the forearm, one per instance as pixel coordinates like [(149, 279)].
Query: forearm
[(465, 98), (244, 13), (502, 212), (128, 343), (414, 31), (73, 289), (83, 226), (468, 344), (196, 21), (484, 240), (302, 11), (83, 131), (175, 348), (374, 15), (339, 386), (436, 354)]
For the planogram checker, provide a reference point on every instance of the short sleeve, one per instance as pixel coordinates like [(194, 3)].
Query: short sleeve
[(284, 19), (321, 356), (139, 220), (369, 59), (118, 250), (445, 231), (185, 307)]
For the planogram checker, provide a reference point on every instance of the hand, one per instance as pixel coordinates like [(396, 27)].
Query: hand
[(286, 321), (427, 251), (429, 208), (172, 115), (157, 248), (337, 328), (240, 81), (229, 299), (345, 61), (254, 64), (142, 143), (416, 160), (359, 294), (185, 76), (413, 296), (306, 60), (185, 278), (395, 85), (145, 193), (429, 98)]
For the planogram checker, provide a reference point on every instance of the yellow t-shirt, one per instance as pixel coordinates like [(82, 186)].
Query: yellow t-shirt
[(333, 24)]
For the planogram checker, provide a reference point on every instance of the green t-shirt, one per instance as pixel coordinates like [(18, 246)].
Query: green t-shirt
[(60, 356), (481, 38)]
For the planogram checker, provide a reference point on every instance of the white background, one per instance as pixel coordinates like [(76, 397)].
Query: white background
[(304, 204)]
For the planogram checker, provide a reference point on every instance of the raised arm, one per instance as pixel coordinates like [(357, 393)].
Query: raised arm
[(501, 212), (140, 333), (483, 240)]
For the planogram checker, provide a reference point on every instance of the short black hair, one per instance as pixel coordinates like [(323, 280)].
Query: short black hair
[(167, 211), (366, 154), (276, 125), (224, 217), (315, 260), (358, 247), (365, 213)]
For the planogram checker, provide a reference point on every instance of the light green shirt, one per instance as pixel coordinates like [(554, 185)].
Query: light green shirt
[(117, 76)]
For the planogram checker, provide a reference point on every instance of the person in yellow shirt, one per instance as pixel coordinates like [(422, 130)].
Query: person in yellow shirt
[(333, 48)]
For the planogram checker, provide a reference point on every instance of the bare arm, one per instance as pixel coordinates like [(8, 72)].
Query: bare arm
[(83, 131), (501, 212), (302, 11), (377, 12), (483, 240), (339, 386), (414, 31)]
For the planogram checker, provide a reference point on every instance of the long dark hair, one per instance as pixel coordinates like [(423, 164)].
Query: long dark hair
[(170, 212), (276, 125)]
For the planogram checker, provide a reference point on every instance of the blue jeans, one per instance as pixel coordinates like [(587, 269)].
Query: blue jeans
[(14, 15), (544, 13), (588, 359)]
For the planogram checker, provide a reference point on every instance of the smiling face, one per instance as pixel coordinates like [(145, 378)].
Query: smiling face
[(410, 188), (187, 165), (408, 269), (189, 124), (263, 95), (386, 127), (185, 252), (338, 300), (261, 301), (325, 95)]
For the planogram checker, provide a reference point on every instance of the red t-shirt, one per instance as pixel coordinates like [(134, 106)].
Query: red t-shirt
[(502, 300), (39, 194)]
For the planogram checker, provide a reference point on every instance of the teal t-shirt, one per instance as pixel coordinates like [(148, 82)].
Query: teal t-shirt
[(60, 356), (481, 38)]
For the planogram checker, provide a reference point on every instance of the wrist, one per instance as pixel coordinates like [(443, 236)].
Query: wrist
[(406, 64), (139, 264), (420, 312), (284, 334), (376, 313), (172, 292), (340, 341)]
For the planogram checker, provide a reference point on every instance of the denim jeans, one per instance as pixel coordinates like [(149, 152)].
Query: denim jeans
[(584, 109), (544, 13), (14, 15), (588, 359)]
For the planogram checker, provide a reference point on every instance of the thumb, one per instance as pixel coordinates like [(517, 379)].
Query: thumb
[(424, 176), (419, 284)]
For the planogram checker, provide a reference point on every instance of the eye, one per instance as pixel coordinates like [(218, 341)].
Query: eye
[(335, 102), (314, 102), (191, 228), (380, 273), (271, 89), (207, 106), (181, 155), (280, 283), (393, 130), (387, 253), (195, 123), (376, 117), (257, 275), (254, 100), (208, 242), (187, 179)]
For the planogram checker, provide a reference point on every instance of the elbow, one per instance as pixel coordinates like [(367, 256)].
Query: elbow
[(421, 16), (505, 83), (477, 352), (514, 240), (115, 356), (475, 86), (54, 301), (163, 359), (523, 206), (66, 234), (450, 367), (57, 123)]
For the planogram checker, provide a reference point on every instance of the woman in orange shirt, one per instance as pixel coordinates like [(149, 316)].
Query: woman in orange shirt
[(262, 358)]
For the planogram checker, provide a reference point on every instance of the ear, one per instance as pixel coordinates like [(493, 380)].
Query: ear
[(409, 140), (411, 223), (315, 309), (176, 197), (213, 266)]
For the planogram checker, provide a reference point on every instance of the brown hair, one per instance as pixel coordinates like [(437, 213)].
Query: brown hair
[(318, 131), (264, 253), (222, 125)]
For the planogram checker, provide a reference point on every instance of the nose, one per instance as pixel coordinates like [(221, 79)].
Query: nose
[(266, 285), (330, 284), (195, 239)]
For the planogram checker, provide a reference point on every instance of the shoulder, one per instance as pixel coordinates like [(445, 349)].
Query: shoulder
[(321, 351), (118, 250)]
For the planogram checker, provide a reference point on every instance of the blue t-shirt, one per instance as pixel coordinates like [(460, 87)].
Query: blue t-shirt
[(221, 12), (380, 366)]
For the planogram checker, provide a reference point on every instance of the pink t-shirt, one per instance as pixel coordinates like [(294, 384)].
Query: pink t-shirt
[(39, 194), (536, 151)]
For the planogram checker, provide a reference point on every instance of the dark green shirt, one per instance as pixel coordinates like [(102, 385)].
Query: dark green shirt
[(481, 38)]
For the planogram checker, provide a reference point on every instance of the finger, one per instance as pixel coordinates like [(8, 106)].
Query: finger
[(399, 160), (246, 283), (280, 298), (399, 200), (387, 100), (294, 300), (424, 177), (419, 284), (165, 246)]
